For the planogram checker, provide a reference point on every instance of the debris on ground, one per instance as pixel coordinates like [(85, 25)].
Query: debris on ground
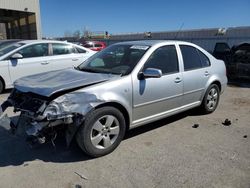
[(227, 122), (245, 136), (5, 121), (81, 176), (78, 186), (195, 126)]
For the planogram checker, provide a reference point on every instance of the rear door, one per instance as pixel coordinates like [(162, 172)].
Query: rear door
[(65, 56), (196, 74), (154, 97)]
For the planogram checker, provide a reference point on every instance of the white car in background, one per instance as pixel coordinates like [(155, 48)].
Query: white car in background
[(36, 56)]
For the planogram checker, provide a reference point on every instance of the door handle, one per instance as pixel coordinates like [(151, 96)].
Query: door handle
[(206, 73), (177, 80), (75, 59), (45, 63)]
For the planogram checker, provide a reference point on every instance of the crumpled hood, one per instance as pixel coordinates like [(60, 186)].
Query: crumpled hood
[(47, 84)]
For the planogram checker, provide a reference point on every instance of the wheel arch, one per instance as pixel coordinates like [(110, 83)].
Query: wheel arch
[(2, 80), (121, 108), (217, 83), (213, 80)]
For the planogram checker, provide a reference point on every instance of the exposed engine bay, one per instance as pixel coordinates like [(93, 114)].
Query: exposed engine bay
[(48, 109), (42, 117)]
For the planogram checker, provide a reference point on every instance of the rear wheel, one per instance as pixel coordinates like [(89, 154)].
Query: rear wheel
[(211, 99), (102, 132)]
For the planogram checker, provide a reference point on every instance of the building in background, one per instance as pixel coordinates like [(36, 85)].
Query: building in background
[(206, 38), (20, 19)]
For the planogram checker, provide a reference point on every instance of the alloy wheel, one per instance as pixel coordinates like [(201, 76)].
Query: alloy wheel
[(212, 99), (105, 131)]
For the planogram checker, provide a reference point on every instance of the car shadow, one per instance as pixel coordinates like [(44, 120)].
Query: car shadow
[(14, 151), (158, 124), (7, 91)]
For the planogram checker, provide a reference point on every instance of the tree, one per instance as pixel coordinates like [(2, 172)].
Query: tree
[(86, 32), (77, 34), (68, 34)]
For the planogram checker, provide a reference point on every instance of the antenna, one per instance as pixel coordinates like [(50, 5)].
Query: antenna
[(179, 30)]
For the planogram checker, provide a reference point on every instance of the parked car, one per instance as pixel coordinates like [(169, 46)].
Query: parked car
[(237, 59), (126, 85), (94, 45), (35, 56), (4, 43)]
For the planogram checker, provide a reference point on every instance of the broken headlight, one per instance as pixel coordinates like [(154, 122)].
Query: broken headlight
[(52, 111), (55, 111)]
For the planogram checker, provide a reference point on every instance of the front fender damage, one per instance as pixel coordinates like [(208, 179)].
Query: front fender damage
[(71, 111), (77, 104)]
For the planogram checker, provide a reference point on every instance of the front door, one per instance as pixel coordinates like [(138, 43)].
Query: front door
[(35, 60), (156, 97)]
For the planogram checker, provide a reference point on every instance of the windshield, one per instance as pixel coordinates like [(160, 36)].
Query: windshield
[(116, 59), (9, 48)]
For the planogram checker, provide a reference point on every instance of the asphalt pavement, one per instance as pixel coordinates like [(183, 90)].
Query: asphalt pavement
[(186, 150)]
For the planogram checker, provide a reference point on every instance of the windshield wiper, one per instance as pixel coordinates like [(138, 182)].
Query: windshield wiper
[(77, 68), (89, 70), (97, 71)]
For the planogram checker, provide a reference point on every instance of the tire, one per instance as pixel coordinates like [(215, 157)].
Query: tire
[(211, 99), (1, 86), (102, 131)]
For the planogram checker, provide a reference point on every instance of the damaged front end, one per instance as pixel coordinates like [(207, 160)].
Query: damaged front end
[(43, 117)]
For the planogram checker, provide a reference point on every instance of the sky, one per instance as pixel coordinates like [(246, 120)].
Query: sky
[(131, 16)]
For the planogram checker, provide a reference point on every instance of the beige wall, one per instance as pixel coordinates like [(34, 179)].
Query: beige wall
[(25, 5)]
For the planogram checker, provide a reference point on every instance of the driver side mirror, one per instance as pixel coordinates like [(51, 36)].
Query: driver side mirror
[(16, 56), (150, 73)]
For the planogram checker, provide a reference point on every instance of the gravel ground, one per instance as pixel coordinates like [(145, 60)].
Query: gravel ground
[(166, 153)]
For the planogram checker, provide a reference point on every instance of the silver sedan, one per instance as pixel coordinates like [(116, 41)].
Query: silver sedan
[(124, 86)]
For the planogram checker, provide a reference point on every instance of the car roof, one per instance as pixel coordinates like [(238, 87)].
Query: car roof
[(93, 41), (10, 40), (42, 41), (153, 42)]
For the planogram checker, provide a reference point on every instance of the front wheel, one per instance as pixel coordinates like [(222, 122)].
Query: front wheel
[(102, 132), (211, 99)]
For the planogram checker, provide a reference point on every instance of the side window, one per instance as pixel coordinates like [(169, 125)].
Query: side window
[(36, 50), (88, 45), (98, 45), (204, 59), (80, 50), (165, 59), (61, 49), (191, 57)]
